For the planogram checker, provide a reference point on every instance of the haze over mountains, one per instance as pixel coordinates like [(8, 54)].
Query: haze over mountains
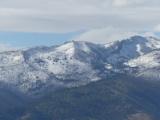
[(40, 71)]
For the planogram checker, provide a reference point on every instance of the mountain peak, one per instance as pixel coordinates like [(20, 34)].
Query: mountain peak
[(72, 46), (73, 63)]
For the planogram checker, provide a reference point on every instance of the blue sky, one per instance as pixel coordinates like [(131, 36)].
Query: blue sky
[(28, 39), (52, 22), (31, 39)]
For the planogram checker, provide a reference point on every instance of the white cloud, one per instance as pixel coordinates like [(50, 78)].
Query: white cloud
[(110, 34), (157, 28), (120, 3), (76, 15), (131, 3), (150, 34), (105, 35)]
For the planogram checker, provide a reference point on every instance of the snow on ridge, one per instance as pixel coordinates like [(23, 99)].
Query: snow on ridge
[(67, 48), (148, 61), (76, 62)]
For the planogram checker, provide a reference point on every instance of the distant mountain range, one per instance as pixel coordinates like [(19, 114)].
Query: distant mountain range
[(78, 63), (32, 76)]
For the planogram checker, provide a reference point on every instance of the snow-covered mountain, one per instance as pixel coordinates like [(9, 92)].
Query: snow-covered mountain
[(77, 63)]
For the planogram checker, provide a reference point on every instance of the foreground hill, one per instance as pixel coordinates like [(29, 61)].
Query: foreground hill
[(119, 98), (12, 104)]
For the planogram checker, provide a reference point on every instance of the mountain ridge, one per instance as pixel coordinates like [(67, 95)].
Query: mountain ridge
[(76, 63)]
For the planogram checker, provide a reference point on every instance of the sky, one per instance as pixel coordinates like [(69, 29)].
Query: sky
[(25, 23), (26, 39)]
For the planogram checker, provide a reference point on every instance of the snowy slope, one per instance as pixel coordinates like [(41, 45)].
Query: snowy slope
[(132, 48), (77, 63), (39, 68), (148, 66)]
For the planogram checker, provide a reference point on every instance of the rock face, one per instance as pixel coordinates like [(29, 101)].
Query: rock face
[(78, 63)]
